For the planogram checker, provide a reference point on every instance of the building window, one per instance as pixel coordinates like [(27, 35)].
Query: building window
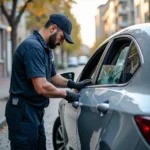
[(124, 18), (146, 1), (147, 17), (138, 11), (124, 5)]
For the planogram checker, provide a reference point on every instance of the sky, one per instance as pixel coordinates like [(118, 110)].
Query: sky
[(85, 11)]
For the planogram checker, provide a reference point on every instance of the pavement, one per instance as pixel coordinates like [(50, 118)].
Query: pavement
[(51, 112), (4, 93), (4, 88)]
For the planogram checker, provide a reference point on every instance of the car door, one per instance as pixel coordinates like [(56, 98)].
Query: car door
[(98, 101), (69, 112), (121, 133)]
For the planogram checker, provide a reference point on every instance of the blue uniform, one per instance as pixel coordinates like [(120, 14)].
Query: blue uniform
[(25, 107)]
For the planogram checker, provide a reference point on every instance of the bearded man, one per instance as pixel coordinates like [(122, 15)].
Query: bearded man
[(33, 81)]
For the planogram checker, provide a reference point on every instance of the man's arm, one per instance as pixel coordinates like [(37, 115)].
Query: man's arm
[(43, 87), (35, 69), (59, 81)]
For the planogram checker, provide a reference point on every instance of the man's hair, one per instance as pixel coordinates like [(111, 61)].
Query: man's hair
[(48, 24)]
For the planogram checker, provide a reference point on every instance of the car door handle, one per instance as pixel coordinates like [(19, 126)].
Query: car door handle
[(76, 104), (103, 107)]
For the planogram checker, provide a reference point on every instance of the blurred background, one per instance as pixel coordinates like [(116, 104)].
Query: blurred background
[(93, 21)]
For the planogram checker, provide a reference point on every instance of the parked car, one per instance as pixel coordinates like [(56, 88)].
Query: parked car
[(83, 60), (72, 61), (113, 113)]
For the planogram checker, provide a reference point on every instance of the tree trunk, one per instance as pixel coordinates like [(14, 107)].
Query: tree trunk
[(14, 39), (62, 57), (68, 55), (56, 60)]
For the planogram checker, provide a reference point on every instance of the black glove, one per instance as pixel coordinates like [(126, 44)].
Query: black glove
[(72, 97), (78, 85)]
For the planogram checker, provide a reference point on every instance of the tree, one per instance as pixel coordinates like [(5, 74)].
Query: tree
[(13, 17), (38, 13), (38, 16)]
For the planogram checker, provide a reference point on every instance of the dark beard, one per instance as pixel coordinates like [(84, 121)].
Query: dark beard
[(52, 41)]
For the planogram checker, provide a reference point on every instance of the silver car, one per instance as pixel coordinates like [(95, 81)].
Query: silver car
[(113, 113)]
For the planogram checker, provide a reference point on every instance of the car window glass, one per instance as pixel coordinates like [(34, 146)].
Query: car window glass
[(133, 62), (113, 66), (89, 69), (120, 67)]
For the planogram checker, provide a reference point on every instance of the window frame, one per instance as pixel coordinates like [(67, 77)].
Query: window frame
[(108, 42), (99, 67)]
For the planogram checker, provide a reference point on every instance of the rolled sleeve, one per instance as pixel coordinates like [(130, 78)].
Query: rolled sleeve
[(34, 63)]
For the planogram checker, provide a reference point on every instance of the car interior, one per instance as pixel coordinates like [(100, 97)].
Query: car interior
[(121, 62), (90, 67)]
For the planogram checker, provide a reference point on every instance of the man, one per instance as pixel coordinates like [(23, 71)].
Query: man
[(33, 82)]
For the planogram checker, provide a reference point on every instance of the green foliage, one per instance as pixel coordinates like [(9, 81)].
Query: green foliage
[(39, 12)]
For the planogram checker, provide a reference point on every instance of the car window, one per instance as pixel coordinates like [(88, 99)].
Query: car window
[(90, 67), (133, 62), (120, 64)]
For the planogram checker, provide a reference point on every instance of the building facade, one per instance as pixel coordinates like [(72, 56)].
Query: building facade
[(142, 9), (109, 18), (4, 46), (5, 39), (116, 15), (99, 25)]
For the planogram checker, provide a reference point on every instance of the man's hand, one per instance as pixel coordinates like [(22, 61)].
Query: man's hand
[(72, 97), (78, 85)]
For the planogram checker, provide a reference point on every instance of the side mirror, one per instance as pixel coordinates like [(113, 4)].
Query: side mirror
[(68, 75)]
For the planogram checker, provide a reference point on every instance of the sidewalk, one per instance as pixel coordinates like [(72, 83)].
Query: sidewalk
[(4, 93), (4, 88)]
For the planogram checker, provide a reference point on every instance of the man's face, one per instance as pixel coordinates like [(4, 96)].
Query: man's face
[(56, 39)]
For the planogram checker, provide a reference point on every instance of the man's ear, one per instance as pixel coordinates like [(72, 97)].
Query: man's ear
[(53, 28)]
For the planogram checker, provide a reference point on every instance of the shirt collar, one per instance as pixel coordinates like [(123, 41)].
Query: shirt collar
[(40, 38)]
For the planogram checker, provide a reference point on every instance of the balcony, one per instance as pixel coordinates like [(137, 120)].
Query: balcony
[(119, 1), (123, 24)]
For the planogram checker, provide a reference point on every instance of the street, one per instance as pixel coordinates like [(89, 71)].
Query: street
[(51, 113)]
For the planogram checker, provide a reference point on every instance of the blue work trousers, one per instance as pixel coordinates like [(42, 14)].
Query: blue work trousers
[(25, 126)]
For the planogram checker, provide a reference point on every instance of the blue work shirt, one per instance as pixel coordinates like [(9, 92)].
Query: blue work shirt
[(32, 59)]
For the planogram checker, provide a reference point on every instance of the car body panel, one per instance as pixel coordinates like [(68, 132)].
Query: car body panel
[(68, 115), (117, 128), (91, 122), (120, 133)]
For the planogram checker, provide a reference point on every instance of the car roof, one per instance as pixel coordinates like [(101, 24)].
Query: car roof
[(140, 32), (145, 27)]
